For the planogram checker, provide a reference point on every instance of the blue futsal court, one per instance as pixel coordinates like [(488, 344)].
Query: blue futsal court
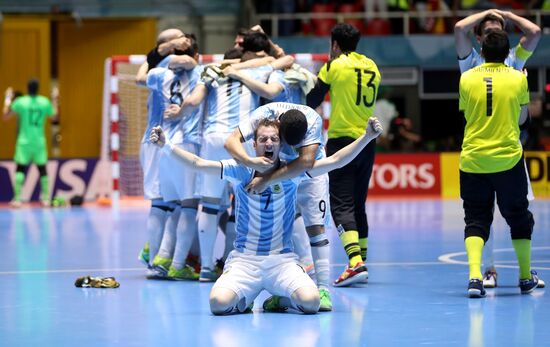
[(416, 293)]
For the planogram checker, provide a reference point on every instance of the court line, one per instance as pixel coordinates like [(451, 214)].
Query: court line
[(444, 259), (448, 258)]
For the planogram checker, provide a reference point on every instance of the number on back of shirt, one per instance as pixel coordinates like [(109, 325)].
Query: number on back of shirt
[(371, 88)]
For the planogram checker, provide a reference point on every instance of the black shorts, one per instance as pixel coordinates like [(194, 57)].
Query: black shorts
[(510, 187)]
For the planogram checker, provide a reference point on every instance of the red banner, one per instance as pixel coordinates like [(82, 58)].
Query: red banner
[(405, 174)]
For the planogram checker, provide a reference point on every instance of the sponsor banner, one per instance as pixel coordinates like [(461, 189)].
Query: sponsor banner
[(67, 178), (405, 174), (538, 165)]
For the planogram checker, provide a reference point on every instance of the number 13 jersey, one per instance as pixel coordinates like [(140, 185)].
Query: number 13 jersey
[(354, 81)]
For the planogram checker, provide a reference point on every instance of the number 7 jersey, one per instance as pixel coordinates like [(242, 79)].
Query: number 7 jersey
[(354, 81)]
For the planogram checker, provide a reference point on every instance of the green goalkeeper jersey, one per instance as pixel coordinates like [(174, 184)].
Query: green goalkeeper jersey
[(32, 112)]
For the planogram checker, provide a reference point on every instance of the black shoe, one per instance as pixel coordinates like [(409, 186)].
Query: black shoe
[(475, 289)]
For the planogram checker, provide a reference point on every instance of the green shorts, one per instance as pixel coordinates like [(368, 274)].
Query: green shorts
[(31, 153)]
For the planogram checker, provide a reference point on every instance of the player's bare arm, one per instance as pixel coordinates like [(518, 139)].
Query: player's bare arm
[(191, 160), (346, 154), (234, 146), (531, 31)]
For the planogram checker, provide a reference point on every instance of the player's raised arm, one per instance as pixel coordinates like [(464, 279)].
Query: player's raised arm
[(531, 31), (463, 44), (349, 152), (234, 145), (192, 161)]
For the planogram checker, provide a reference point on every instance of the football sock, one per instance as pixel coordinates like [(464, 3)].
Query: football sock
[(350, 241), (523, 253), (474, 249)]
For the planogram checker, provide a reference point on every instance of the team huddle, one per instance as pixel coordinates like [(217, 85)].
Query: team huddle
[(237, 146), (258, 172)]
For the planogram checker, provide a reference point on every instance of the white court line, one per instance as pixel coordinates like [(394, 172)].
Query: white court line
[(444, 259), (448, 258), (35, 272)]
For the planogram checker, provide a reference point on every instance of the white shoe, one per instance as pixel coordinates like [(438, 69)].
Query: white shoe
[(15, 204), (541, 283), (490, 279)]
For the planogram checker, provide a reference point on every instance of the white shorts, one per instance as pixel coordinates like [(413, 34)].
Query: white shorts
[(247, 275), (177, 182), (313, 200), (149, 155), (212, 148)]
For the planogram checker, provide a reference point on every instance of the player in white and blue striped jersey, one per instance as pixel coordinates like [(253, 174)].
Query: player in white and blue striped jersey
[(171, 86), (160, 210), (227, 105), (263, 257), (303, 150)]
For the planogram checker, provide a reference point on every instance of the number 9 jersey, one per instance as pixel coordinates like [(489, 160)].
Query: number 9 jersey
[(354, 81)]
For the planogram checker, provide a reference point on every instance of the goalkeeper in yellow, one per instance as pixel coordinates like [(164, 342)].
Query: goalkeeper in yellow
[(31, 111), (494, 99)]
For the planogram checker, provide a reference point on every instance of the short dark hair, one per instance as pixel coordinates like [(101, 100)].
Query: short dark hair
[(495, 46), (478, 29), (32, 86), (233, 53), (193, 47), (255, 41), (346, 35), (293, 126), (266, 122)]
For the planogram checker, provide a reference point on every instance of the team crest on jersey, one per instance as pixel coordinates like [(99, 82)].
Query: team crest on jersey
[(276, 188)]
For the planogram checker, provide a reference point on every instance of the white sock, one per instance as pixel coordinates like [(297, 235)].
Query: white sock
[(300, 241), (155, 229), (187, 229), (169, 238), (320, 252), (208, 228), (488, 250)]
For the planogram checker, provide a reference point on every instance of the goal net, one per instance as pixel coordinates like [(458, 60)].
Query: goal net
[(125, 118)]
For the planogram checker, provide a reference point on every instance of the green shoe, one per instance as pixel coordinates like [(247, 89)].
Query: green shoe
[(273, 304), (144, 254), (326, 301), (161, 264), (187, 273)]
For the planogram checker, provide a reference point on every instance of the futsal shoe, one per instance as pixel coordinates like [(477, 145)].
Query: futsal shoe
[(45, 203), (490, 278), (187, 273), (218, 268), (161, 264), (16, 204), (326, 301), (475, 288), (273, 304), (528, 285), (207, 275), (144, 255), (351, 275)]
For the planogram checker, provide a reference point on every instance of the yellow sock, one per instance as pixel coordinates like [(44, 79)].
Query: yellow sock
[(350, 240), (474, 249), (363, 243), (523, 253)]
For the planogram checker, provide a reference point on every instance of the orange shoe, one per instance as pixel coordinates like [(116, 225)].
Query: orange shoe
[(357, 274)]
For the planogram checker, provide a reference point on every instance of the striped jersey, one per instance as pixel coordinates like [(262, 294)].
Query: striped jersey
[(515, 59), (171, 87), (291, 91), (275, 110), (230, 102), (263, 222)]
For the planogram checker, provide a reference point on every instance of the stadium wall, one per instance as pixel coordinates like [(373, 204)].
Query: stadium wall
[(394, 176)]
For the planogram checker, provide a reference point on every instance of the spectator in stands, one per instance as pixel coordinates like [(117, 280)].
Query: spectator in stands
[(532, 141), (401, 136), (385, 111), (397, 25)]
